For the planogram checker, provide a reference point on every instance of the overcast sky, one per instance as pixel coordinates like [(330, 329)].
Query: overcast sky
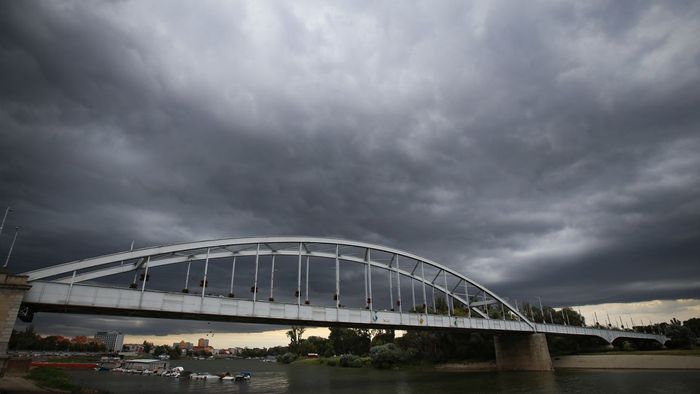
[(542, 148)]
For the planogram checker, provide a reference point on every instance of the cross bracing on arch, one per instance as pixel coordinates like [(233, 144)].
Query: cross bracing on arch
[(395, 262)]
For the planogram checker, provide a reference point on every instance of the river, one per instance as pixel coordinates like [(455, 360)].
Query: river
[(317, 379)]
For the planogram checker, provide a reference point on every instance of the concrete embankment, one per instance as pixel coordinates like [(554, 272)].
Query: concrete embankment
[(636, 361)]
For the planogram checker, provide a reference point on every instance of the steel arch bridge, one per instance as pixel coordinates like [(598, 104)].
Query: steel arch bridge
[(467, 305)]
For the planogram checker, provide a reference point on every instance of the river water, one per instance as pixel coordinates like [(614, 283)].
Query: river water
[(317, 379)]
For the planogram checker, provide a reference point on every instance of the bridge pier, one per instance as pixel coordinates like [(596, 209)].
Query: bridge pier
[(12, 289), (528, 352)]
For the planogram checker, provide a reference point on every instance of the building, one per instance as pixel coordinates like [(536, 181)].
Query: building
[(183, 345), (113, 340), (205, 349), (133, 347), (203, 342)]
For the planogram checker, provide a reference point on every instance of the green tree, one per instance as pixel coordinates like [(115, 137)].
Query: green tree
[(147, 346), (680, 337), (694, 326), (160, 350), (388, 355), (382, 337), (435, 346), (287, 358), (349, 340), (175, 353), (294, 335), (316, 344)]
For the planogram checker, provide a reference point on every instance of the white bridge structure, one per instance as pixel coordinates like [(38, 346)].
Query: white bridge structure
[(469, 305)]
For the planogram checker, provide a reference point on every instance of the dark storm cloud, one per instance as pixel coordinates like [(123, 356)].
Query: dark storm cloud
[(543, 149)]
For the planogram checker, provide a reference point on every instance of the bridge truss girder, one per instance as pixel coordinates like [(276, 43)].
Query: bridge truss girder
[(159, 256)]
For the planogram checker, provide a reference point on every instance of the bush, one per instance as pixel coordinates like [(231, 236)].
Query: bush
[(352, 361), (286, 358), (388, 355)]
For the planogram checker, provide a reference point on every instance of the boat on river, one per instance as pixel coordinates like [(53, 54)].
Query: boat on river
[(204, 376), (241, 377)]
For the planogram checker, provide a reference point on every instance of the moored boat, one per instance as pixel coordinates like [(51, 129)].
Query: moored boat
[(204, 376), (243, 376)]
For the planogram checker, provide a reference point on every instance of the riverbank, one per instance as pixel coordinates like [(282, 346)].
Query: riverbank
[(18, 384), (590, 361), (662, 360), (41, 380), (476, 366), (627, 361)]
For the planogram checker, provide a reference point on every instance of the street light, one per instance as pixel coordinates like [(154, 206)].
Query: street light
[(7, 260), (8, 209)]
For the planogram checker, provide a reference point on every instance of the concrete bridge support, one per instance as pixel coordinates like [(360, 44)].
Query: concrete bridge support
[(528, 352), (12, 289)]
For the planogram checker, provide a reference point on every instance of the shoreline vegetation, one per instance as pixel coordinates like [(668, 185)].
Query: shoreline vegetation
[(452, 350)]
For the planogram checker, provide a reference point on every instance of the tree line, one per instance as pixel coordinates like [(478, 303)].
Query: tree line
[(380, 348), (29, 340)]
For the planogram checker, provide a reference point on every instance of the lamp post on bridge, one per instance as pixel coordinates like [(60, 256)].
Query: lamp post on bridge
[(12, 246), (544, 321), (2, 224)]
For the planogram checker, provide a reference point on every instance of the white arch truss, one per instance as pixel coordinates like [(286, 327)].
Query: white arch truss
[(151, 257)]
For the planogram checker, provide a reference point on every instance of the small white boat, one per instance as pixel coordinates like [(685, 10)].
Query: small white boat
[(173, 372), (204, 376)]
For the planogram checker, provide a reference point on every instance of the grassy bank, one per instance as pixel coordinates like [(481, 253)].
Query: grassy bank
[(52, 378)]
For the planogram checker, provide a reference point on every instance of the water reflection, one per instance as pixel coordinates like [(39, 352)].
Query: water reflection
[(277, 378)]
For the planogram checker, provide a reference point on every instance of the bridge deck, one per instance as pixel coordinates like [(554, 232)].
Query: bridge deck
[(81, 298)]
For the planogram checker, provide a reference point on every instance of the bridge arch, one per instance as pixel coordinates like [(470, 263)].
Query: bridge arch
[(301, 247)]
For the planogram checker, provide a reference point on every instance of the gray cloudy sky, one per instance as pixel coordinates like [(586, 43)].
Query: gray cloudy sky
[(542, 148)]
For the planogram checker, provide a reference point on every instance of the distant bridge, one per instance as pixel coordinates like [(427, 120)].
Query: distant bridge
[(467, 305)]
